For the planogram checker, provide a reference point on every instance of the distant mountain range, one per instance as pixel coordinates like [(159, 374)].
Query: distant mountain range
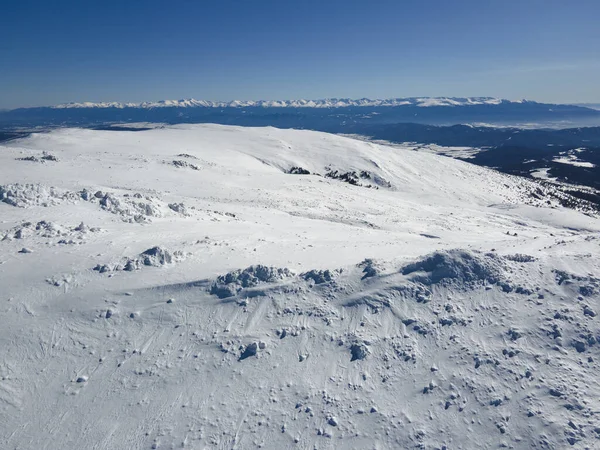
[(588, 105), (332, 115), (322, 103)]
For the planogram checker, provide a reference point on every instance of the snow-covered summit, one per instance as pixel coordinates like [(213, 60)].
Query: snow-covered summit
[(322, 103), (205, 286)]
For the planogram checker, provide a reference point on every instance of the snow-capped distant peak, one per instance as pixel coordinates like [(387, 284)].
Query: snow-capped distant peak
[(322, 103)]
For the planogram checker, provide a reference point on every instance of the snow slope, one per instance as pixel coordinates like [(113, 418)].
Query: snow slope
[(203, 286)]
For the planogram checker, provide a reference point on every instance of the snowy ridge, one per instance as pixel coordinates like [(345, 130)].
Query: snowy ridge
[(205, 286), (322, 103)]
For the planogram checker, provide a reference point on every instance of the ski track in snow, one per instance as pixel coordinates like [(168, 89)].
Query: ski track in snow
[(423, 302)]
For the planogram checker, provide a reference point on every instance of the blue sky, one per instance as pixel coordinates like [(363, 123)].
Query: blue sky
[(60, 51)]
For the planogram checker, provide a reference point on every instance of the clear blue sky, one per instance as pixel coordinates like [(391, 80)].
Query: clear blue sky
[(87, 50)]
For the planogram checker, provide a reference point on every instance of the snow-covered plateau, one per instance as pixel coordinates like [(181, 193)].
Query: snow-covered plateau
[(205, 286)]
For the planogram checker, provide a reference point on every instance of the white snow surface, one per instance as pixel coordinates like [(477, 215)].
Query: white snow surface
[(572, 160), (321, 103), (451, 151), (178, 288), (542, 173)]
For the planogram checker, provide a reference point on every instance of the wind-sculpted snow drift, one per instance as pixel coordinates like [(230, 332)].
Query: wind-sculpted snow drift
[(460, 266), (232, 283), (153, 257), (258, 303), (25, 195)]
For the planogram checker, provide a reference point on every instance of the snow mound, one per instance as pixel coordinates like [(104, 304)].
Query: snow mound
[(47, 229), (130, 208), (358, 351), (179, 208), (157, 256), (42, 228), (318, 276), (27, 195), (233, 282), (369, 268), (457, 266), (153, 257)]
